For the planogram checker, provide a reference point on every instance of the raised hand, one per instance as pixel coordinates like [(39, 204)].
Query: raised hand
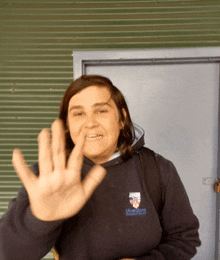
[(58, 192)]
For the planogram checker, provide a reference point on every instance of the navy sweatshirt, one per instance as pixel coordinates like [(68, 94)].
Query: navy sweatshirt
[(118, 221)]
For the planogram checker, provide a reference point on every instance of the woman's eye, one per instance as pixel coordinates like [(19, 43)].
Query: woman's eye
[(78, 114), (102, 111)]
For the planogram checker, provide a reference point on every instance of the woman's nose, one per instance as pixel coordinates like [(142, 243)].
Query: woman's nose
[(91, 121)]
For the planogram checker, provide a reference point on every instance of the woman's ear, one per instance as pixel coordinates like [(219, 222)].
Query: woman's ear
[(125, 116)]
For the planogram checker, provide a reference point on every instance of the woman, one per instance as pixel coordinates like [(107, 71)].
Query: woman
[(87, 198)]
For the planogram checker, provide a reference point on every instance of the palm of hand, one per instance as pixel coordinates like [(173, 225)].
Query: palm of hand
[(58, 192)]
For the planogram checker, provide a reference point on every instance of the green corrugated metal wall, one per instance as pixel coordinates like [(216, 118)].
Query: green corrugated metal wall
[(37, 40)]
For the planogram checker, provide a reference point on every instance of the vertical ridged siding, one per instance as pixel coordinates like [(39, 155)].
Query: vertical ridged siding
[(37, 40)]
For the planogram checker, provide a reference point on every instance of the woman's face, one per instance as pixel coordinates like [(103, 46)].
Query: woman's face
[(93, 111)]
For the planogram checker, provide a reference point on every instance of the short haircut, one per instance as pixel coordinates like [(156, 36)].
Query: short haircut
[(126, 136)]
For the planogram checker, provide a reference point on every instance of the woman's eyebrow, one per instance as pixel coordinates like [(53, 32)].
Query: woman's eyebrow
[(76, 107), (98, 104), (101, 104)]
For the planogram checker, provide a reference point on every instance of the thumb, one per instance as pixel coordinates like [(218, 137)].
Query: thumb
[(94, 177)]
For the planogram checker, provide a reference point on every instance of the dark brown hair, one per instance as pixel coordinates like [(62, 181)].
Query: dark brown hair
[(126, 135)]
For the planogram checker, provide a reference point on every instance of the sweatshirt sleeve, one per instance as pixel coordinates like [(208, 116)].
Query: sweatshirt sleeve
[(24, 236), (180, 225)]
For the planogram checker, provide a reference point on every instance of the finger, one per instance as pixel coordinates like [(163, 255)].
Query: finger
[(58, 145), (44, 152), (22, 169), (94, 177), (76, 157)]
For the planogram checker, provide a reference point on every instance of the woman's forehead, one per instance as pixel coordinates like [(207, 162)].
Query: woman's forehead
[(90, 96)]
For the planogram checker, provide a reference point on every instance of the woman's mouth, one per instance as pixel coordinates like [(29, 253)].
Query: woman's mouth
[(93, 137)]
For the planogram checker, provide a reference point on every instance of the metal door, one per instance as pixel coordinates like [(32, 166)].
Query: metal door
[(173, 96)]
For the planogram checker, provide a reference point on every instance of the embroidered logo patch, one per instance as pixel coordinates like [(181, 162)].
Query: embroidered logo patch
[(135, 200)]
